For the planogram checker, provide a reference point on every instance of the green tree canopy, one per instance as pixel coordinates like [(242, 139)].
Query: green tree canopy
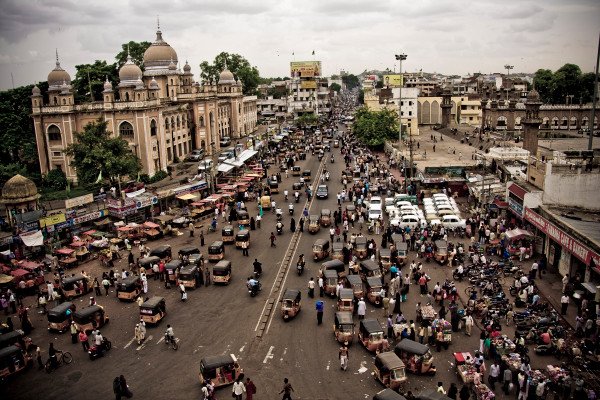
[(351, 81), (373, 128), (307, 119), (335, 87), (567, 80), (136, 50), (93, 75), (95, 152), (238, 65)]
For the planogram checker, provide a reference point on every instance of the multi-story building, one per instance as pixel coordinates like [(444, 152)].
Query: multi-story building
[(378, 99), (308, 92), (465, 110), (160, 111)]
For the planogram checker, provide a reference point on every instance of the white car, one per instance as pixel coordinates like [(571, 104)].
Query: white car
[(453, 221), (403, 203), (205, 164), (439, 196), (412, 221), (374, 201), (375, 213)]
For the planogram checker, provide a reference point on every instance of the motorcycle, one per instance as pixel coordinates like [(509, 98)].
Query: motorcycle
[(254, 289), (279, 228), (457, 276), (332, 160), (98, 351), (300, 268), (327, 176), (291, 209), (297, 197)]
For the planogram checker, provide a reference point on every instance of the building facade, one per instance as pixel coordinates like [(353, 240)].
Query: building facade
[(389, 98), (161, 112)]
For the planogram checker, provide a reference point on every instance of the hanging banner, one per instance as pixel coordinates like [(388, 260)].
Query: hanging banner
[(52, 220), (32, 239), (79, 201)]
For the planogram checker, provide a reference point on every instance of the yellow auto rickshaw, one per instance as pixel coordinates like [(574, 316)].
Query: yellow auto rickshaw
[(325, 217), (227, 234), (216, 251), (12, 361), (374, 290), (189, 276), (385, 257), (369, 268), (296, 170), (75, 286), (357, 285), (243, 218), (320, 249), (222, 272), (153, 310), (441, 251), (416, 356), (371, 335), (273, 186), (330, 282), (59, 317), (241, 237), (90, 318), (360, 247), (222, 370), (337, 251), (129, 288), (172, 269), (401, 252), (390, 370), (306, 175), (313, 224), (343, 327), (335, 265), (346, 300), (290, 304), (265, 202)]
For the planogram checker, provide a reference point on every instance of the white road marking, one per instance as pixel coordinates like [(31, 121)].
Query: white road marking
[(141, 346), (243, 347), (328, 365), (129, 343), (161, 339), (269, 354)]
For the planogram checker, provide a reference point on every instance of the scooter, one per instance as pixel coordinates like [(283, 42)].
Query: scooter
[(98, 351), (297, 197), (291, 209), (254, 289), (279, 228)]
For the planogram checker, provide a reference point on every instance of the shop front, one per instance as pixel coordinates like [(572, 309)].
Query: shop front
[(515, 200)]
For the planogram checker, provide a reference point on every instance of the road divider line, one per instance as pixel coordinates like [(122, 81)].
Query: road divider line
[(129, 343), (269, 354)]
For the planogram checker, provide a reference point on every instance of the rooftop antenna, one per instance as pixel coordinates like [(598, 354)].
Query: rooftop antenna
[(57, 62)]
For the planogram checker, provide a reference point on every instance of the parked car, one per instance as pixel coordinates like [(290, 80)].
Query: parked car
[(195, 155), (205, 164), (453, 221)]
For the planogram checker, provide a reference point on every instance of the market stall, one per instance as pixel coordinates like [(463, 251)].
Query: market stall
[(483, 392)]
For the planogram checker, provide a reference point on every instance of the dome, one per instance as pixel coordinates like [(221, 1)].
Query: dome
[(108, 85), (533, 95), (153, 84), (57, 76), (129, 71), (159, 54), (172, 65), (139, 84), (186, 67), (19, 189), (226, 76), (36, 91)]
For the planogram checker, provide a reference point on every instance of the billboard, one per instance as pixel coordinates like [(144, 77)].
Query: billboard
[(308, 84), (305, 69), (392, 80)]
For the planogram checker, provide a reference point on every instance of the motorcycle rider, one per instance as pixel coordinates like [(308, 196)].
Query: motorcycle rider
[(257, 267), (297, 196), (291, 208), (169, 334), (279, 227), (252, 285), (285, 195), (460, 272)]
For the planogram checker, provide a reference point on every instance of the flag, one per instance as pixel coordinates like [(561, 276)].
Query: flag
[(99, 177), (313, 53)]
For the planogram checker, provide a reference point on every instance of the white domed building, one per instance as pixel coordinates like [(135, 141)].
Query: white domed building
[(160, 110)]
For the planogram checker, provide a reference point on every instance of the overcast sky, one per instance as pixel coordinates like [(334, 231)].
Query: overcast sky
[(446, 36)]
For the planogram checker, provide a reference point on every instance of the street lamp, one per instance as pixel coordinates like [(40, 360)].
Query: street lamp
[(400, 58), (508, 68), (569, 99)]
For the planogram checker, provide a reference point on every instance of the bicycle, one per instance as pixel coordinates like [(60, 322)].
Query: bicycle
[(61, 358), (171, 342)]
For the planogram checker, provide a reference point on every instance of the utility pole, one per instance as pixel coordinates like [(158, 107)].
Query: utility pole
[(507, 68), (595, 99), (400, 58)]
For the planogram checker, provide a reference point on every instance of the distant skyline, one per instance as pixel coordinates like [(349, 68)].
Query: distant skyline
[(449, 37)]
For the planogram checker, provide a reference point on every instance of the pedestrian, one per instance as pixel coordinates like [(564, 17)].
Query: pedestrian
[(311, 288), (464, 393), (565, 282), (469, 324), (321, 286), (96, 285), (245, 249), (238, 388), (287, 390), (452, 391), (106, 284), (344, 356), (390, 327), (272, 238), (319, 306), (124, 388), (440, 388), (182, 291), (506, 380), (207, 276), (361, 308), (201, 238), (564, 304), (74, 332), (250, 389), (494, 375), (38, 356), (83, 339)]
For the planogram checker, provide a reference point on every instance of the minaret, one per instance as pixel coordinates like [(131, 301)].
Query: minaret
[(446, 107), (532, 121)]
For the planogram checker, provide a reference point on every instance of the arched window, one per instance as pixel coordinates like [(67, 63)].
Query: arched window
[(201, 122), (126, 96), (584, 121), (167, 125), (54, 133), (173, 123), (178, 122), (126, 130), (153, 128)]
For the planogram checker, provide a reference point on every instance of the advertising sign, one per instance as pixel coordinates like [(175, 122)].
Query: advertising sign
[(89, 217), (393, 80), (305, 69), (567, 242), (516, 207), (308, 85), (52, 220), (79, 201)]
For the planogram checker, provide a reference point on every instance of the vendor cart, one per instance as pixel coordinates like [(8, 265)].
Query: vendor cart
[(446, 328), (483, 392), (428, 314)]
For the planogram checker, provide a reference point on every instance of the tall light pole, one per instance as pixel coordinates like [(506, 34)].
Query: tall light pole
[(400, 58), (508, 68)]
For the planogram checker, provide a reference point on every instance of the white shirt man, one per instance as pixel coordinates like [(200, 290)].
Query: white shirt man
[(361, 309), (98, 338)]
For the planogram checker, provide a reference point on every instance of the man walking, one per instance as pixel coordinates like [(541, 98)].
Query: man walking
[(272, 238), (564, 304), (361, 309), (319, 306), (245, 249), (287, 390), (311, 288)]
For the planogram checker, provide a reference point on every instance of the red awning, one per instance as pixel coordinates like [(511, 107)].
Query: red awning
[(90, 232), (19, 272), (151, 225), (77, 244), (500, 204), (65, 251), (517, 191)]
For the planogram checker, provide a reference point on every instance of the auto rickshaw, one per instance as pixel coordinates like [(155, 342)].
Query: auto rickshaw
[(337, 251), (221, 370), (13, 360), (416, 357), (330, 281), (402, 252), (16, 338), (320, 249), (75, 286), (296, 170), (189, 276), (388, 394), (58, 318), (360, 247), (90, 318), (374, 290), (346, 300), (369, 268), (227, 234), (390, 370), (371, 335), (306, 175), (147, 263), (313, 224), (273, 186), (431, 395), (325, 217), (350, 210), (385, 256), (172, 269), (216, 251), (242, 236), (188, 251), (335, 265), (162, 251), (357, 285), (343, 327), (153, 310), (243, 218), (129, 288), (265, 202), (441, 251), (290, 304), (222, 272)]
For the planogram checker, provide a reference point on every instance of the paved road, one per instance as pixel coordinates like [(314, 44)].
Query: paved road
[(224, 319)]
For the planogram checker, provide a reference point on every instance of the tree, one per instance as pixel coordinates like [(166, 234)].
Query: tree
[(361, 97), (136, 50), (96, 152), (335, 87), (351, 81), (238, 65), (373, 128), (307, 119), (542, 81), (93, 75), (55, 180), (566, 81)]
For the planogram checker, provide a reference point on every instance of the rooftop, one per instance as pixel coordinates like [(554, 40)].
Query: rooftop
[(586, 223), (563, 144)]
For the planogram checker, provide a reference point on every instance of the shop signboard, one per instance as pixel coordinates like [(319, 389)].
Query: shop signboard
[(516, 207), (79, 201), (573, 246), (145, 201), (308, 85), (305, 69), (52, 220), (89, 217)]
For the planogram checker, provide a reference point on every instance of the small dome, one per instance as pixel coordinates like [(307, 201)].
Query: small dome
[(153, 84), (129, 71), (186, 67), (57, 76), (36, 91), (533, 95), (19, 189), (108, 85), (226, 76), (139, 84), (159, 54), (172, 65), (65, 88)]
